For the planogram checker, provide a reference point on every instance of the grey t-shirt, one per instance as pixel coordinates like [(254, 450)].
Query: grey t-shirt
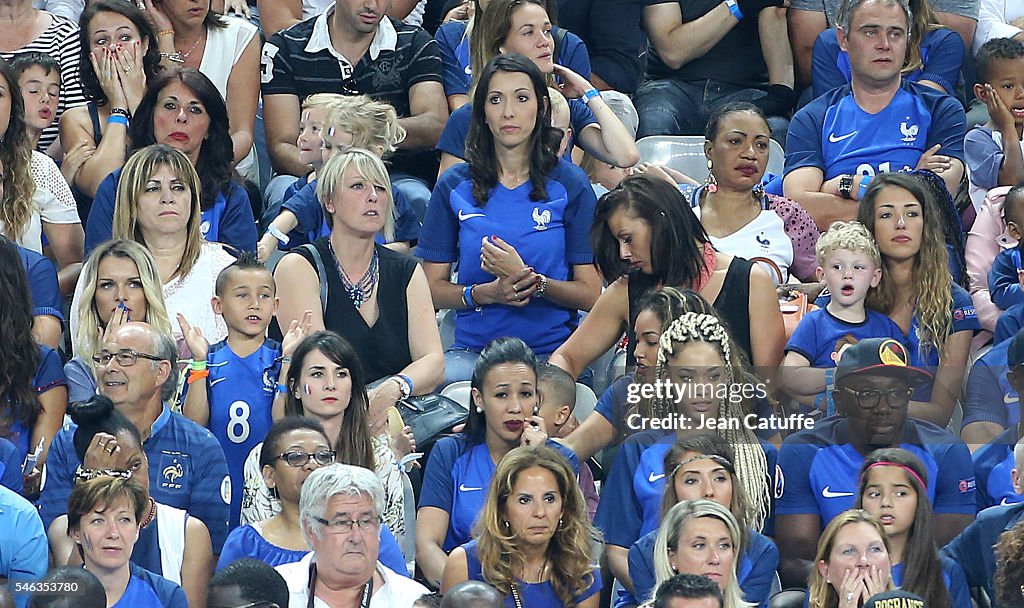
[(965, 8)]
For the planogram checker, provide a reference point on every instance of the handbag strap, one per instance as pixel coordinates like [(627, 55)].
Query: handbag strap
[(771, 264), (321, 272)]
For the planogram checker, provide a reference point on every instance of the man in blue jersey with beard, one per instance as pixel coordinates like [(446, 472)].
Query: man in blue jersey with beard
[(818, 472), (137, 370), (876, 124)]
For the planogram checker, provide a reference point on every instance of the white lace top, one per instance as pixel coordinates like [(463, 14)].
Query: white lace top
[(52, 202)]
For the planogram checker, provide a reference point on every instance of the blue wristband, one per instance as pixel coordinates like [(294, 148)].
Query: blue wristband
[(282, 388), (865, 181), (590, 94), (117, 119), (408, 381), (467, 297), (734, 8)]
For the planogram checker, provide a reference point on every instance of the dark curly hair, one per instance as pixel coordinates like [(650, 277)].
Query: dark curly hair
[(150, 61), (216, 155)]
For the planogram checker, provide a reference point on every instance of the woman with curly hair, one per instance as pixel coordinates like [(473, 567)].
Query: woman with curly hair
[(698, 358), (119, 56), (120, 283), (852, 562), (701, 537), (935, 314), (533, 540), (893, 488), (183, 109)]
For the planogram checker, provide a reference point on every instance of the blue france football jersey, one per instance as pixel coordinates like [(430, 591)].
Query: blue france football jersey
[(631, 498), (820, 335), (241, 392), (456, 480), (818, 469), (550, 235), (993, 463), (835, 135), (990, 398)]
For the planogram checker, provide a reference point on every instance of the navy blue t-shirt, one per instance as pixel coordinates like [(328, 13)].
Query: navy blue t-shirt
[(834, 134), (551, 236), (818, 469)]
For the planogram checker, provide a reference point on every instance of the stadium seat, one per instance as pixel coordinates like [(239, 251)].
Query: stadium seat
[(685, 153), (585, 401), (459, 392)]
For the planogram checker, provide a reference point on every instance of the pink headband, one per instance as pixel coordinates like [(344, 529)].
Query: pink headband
[(886, 463)]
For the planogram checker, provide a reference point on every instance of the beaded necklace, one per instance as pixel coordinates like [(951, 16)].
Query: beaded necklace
[(360, 291)]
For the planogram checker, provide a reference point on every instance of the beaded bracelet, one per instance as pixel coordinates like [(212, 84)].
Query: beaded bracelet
[(84, 474)]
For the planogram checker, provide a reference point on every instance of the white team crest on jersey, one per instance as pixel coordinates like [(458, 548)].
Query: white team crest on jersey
[(909, 132), (541, 219)]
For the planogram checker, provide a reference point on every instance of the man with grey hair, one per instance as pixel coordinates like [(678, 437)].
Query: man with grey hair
[(876, 124), (137, 370), (339, 509)]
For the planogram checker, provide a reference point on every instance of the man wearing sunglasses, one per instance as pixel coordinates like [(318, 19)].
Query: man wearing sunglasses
[(340, 509), (817, 474), (137, 369)]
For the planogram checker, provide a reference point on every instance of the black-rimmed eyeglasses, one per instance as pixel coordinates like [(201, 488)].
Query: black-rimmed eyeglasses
[(299, 459), (868, 399), (126, 357)]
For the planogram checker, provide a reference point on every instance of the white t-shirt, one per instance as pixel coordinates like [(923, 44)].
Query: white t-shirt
[(398, 591), (764, 237)]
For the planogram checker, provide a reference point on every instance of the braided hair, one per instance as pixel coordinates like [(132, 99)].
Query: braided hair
[(751, 464)]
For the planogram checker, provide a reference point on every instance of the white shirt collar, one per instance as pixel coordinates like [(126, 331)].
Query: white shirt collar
[(385, 39)]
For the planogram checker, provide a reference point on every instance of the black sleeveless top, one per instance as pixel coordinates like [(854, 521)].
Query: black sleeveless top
[(384, 348), (732, 303)]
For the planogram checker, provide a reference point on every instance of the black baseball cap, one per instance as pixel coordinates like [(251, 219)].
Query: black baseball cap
[(880, 357)]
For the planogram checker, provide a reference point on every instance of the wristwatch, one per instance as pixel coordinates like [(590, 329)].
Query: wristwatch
[(846, 186), (542, 287)]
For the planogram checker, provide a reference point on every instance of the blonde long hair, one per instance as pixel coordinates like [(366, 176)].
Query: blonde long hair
[(750, 458), (672, 526), (137, 171), (569, 549), (89, 332)]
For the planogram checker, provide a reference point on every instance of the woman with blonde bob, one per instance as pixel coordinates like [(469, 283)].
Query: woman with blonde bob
[(377, 299), (533, 538), (158, 206), (716, 557), (852, 563), (120, 283)]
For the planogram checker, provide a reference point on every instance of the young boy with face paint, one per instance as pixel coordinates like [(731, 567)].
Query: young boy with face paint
[(236, 385), (350, 122)]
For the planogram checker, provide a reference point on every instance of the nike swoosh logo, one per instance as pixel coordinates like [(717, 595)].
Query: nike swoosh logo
[(464, 488), (463, 216), (1005, 501), (832, 137), (653, 478), (1007, 399), (828, 493), (212, 382)]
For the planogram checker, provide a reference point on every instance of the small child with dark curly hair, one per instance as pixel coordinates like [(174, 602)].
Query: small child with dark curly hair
[(1009, 577)]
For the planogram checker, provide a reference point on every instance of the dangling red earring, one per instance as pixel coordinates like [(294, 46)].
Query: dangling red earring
[(711, 183)]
